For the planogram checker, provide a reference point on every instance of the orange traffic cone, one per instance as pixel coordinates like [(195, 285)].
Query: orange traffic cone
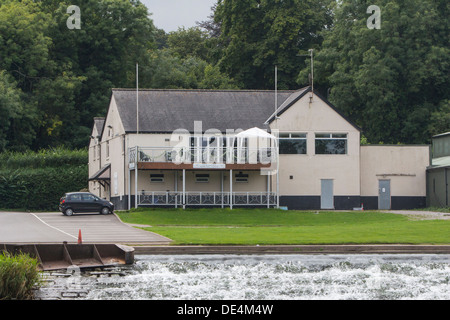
[(80, 241)]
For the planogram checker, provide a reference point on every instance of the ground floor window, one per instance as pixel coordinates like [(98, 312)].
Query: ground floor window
[(156, 178), (202, 178), (241, 177)]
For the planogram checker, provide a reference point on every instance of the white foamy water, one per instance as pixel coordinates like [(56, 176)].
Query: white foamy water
[(275, 277)]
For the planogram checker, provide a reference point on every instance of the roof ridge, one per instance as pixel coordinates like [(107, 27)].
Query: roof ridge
[(204, 90)]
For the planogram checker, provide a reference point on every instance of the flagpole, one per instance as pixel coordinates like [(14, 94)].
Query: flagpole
[(137, 98)]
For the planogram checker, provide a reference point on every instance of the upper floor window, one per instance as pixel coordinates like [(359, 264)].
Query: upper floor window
[(331, 143), (292, 143)]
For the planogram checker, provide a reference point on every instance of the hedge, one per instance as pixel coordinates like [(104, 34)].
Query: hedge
[(40, 188), (55, 157)]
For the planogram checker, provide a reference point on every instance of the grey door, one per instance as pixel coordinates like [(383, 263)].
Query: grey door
[(327, 196), (384, 194)]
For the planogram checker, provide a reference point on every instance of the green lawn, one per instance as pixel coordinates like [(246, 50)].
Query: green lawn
[(262, 226)]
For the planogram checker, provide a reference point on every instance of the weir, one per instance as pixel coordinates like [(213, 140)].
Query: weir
[(61, 256)]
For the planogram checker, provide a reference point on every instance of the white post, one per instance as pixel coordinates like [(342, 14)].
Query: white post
[(129, 185), (231, 188), (278, 177), (137, 98), (176, 188), (184, 188), (221, 186), (268, 191), (136, 178)]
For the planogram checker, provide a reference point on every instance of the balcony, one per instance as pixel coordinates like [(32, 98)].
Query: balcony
[(201, 158)]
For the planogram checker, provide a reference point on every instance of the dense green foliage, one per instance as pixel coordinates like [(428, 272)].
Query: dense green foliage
[(269, 227), (19, 274), (258, 35), (393, 82), (37, 180)]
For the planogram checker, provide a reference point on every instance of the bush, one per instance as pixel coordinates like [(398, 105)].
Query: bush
[(56, 157), (19, 274), (40, 189), (36, 181)]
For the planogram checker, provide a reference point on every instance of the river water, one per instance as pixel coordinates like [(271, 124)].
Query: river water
[(259, 277)]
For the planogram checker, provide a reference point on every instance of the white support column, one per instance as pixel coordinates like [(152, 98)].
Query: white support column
[(184, 188), (129, 187), (278, 175), (268, 191), (221, 186), (231, 188), (136, 179), (176, 188)]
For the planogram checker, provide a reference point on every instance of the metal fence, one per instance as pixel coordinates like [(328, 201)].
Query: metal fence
[(168, 198)]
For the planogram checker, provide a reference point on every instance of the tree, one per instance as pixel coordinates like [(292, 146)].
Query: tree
[(66, 74), (256, 35), (391, 80), (16, 116), (165, 70), (188, 42)]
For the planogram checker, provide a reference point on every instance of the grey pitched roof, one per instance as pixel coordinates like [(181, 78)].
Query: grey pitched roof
[(168, 110), (99, 123)]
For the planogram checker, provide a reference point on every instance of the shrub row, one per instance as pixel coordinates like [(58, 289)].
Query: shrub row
[(56, 157), (40, 189), (19, 274)]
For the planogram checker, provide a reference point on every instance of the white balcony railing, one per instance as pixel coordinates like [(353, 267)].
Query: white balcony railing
[(203, 155), (172, 198)]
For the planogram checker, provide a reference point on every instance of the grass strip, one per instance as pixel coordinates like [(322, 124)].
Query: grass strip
[(266, 227)]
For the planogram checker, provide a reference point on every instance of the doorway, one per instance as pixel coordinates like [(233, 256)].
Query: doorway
[(384, 194), (327, 196)]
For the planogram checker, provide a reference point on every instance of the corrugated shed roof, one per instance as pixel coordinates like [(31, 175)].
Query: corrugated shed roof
[(442, 162), (168, 110)]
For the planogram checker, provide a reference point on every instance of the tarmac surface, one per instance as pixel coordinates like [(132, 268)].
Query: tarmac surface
[(54, 227)]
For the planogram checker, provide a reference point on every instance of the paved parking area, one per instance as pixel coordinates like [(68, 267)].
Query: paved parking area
[(54, 227)]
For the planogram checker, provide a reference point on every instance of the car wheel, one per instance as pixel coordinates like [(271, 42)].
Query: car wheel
[(105, 210), (68, 212)]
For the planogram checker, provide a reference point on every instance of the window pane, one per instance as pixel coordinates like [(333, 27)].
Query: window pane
[(323, 135), (292, 146), (340, 135), (298, 135), (331, 146)]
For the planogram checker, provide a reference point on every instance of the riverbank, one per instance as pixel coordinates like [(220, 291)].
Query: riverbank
[(292, 249)]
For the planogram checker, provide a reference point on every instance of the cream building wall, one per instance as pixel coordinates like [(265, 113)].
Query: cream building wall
[(404, 166), (301, 174)]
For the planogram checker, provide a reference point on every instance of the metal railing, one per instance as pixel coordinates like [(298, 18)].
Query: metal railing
[(173, 198), (202, 155)]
